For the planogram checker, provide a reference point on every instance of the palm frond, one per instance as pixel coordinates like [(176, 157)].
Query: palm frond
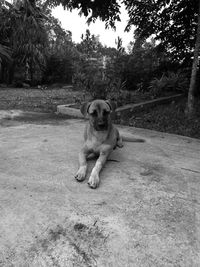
[(5, 53)]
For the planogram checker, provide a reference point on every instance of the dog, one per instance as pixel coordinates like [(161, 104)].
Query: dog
[(100, 138)]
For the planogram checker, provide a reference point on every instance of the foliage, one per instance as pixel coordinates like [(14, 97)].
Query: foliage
[(99, 82), (169, 82), (87, 71), (174, 23), (108, 11), (88, 77), (58, 69), (98, 70), (32, 43), (140, 64), (90, 45), (29, 36), (5, 53), (60, 54), (22, 31), (194, 86)]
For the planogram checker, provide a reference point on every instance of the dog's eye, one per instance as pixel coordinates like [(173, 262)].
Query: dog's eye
[(105, 112), (94, 113)]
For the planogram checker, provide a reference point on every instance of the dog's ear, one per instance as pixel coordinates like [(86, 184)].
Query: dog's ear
[(111, 104), (84, 108)]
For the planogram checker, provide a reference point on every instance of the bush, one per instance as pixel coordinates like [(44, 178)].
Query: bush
[(90, 76), (58, 69), (170, 82)]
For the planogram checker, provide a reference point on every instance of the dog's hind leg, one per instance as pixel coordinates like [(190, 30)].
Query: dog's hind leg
[(119, 140)]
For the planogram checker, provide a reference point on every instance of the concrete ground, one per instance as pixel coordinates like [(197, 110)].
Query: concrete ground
[(146, 211)]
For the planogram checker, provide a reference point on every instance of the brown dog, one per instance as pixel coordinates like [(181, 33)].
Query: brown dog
[(100, 138)]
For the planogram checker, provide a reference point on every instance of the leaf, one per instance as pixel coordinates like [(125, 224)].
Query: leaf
[(5, 53)]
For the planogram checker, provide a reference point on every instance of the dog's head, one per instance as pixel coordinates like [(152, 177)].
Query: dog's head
[(98, 112)]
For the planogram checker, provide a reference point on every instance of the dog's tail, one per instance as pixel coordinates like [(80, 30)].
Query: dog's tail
[(132, 139)]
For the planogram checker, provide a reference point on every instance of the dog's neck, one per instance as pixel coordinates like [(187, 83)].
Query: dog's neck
[(100, 135)]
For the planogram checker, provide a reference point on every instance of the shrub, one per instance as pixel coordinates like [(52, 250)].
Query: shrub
[(58, 69), (87, 76), (169, 82), (90, 76)]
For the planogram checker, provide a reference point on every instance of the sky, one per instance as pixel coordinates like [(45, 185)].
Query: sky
[(77, 25)]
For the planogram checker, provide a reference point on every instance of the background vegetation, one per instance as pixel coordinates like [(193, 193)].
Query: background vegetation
[(35, 51)]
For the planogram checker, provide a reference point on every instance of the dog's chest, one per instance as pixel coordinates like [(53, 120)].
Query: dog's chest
[(96, 141)]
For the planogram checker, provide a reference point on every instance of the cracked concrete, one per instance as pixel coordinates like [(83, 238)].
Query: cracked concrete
[(146, 211)]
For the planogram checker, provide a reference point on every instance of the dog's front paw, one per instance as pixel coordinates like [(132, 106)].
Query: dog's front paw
[(93, 181), (80, 175)]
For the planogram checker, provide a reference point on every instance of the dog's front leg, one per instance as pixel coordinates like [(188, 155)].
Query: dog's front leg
[(93, 181), (81, 174)]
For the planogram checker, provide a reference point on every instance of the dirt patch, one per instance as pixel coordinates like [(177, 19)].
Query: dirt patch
[(37, 99), (70, 244)]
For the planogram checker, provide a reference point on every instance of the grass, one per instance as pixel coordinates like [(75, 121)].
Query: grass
[(43, 100), (168, 118)]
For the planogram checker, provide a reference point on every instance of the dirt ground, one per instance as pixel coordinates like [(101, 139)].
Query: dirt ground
[(144, 213), (40, 100)]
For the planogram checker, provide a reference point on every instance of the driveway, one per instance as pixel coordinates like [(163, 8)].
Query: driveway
[(146, 211)]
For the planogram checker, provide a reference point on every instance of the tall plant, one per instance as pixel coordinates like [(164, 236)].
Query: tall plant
[(24, 30)]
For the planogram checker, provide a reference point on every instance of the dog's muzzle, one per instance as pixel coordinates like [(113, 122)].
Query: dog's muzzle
[(101, 126)]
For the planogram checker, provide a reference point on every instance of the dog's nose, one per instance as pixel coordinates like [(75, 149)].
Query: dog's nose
[(101, 123)]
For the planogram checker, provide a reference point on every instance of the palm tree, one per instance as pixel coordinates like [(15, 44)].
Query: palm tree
[(24, 29), (5, 51), (30, 36)]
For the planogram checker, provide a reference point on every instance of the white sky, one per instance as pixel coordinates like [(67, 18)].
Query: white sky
[(77, 25)]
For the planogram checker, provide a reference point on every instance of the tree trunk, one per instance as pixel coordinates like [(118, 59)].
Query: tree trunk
[(190, 109), (31, 70), (11, 72), (1, 72)]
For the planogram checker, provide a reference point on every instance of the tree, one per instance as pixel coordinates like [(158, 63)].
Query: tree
[(108, 10), (5, 51), (141, 65), (89, 45), (190, 109), (60, 53), (88, 65), (29, 37), (34, 42), (23, 30), (173, 22)]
